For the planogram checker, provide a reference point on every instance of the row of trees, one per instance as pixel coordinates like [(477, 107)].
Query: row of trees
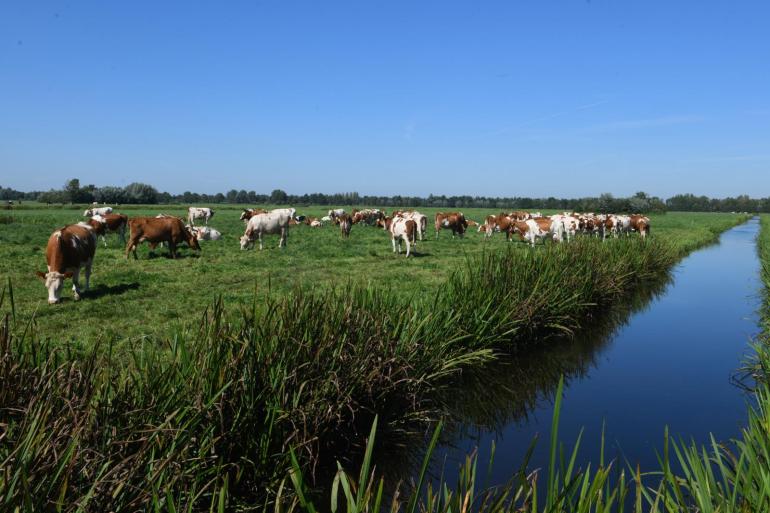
[(140, 193)]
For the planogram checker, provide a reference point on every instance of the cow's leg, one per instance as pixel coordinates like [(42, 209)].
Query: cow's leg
[(172, 248), (408, 247), (393, 241), (282, 240), (75, 284), (131, 246), (122, 234), (259, 235), (89, 264)]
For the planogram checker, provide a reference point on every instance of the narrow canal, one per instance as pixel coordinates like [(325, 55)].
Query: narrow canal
[(666, 360)]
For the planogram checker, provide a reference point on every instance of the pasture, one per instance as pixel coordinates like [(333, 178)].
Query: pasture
[(157, 296), (305, 363)]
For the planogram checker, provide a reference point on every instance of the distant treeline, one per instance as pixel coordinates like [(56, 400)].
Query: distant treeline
[(140, 193)]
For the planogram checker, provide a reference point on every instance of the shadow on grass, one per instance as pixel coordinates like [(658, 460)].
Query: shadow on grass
[(110, 290)]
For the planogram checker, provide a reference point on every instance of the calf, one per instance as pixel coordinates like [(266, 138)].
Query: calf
[(97, 211), (454, 221), (275, 222), (68, 250), (194, 213), (155, 230)]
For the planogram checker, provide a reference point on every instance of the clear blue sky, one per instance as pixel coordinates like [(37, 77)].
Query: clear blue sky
[(531, 98)]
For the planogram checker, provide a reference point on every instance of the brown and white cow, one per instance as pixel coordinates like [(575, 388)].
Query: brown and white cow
[(454, 221), (69, 249), (400, 229), (420, 219), (204, 213), (109, 223), (641, 224), (368, 216), (248, 213), (156, 230), (539, 228), (345, 222)]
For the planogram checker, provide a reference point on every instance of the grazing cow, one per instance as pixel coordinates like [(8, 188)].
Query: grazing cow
[(97, 211), (155, 230), (205, 233), (248, 213), (109, 223), (641, 224), (68, 250), (400, 229), (194, 213), (345, 223), (271, 223), (539, 228), (454, 221)]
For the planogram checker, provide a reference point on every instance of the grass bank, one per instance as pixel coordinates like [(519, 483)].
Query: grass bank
[(206, 416)]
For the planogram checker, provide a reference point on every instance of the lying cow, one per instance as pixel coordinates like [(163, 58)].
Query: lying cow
[(194, 213), (454, 221), (271, 223), (205, 233), (156, 230), (93, 211), (68, 250)]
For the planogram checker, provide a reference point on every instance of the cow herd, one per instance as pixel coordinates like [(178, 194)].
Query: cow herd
[(72, 247)]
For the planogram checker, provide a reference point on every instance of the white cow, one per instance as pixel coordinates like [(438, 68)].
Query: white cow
[(204, 232), (569, 223), (97, 211), (335, 213), (194, 213), (272, 223)]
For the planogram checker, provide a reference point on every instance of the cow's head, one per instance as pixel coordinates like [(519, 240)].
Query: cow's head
[(54, 282), (246, 242), (192, 239), (88, 213)]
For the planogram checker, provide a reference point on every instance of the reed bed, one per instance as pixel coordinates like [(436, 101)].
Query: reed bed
[(214, 417)]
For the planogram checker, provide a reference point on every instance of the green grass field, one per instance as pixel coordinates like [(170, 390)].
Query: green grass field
[(157, 295), (200, 409)]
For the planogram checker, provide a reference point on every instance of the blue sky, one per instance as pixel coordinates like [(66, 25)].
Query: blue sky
[(526, 98)]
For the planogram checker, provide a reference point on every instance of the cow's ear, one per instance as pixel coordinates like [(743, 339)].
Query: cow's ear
[(40, 275), (68, 274)]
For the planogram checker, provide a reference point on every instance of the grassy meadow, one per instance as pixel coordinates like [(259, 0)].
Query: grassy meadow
[(158, 296), (210, 403)]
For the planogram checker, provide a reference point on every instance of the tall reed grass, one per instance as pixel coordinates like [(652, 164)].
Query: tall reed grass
[(214, 417)]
